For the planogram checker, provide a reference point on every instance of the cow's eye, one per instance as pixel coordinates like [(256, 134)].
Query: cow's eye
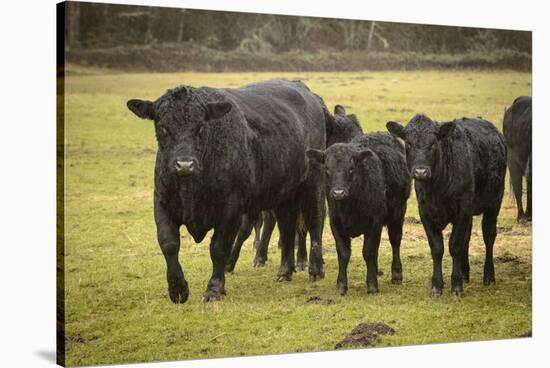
[(164, 131), (201, 130), (328, 172)]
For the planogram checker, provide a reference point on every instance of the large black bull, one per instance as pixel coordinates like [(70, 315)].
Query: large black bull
[(223, 153)]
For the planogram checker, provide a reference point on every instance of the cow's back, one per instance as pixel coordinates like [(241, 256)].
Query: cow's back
[(517, 128), (488, 157), (283, 119)]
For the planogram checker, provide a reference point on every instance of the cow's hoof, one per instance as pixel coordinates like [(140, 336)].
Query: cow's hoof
[(372, 289), (301, 266), (316, 276), (283, 278), (342, 289), (488, 281), (212, 296), (459, 293), (178, 290), (436, 293), (397, 281), (259, 262), (397, 278)]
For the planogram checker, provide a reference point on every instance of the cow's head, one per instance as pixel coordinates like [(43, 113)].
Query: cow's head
[(182, 123), (345, 128), (341, 162), (422, 139)]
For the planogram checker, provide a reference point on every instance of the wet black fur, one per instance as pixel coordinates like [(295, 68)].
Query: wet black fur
[(517, 133), (372, 171), (249, 146), (468, 166)]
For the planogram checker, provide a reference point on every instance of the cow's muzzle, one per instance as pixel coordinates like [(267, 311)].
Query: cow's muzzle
[(186, 167), (422, 173), (338, 193)]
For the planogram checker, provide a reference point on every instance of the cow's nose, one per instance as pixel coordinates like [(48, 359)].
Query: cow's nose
[(185, 167), (338, 194), (421, 172)]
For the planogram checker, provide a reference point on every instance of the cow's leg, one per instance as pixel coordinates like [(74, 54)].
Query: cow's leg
[(314, 212), (489, 227), (286, 220), (371, 243), (395, 233), (257, 231), (168, 235), (435, 240), (245, 229), (516, 177), (457, 245), (343, 249), (465, 256), (220, 248), (300, 244), (261, 251), (529, 178)]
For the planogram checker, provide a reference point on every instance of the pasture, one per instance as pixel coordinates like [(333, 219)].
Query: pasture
[(117, 305)]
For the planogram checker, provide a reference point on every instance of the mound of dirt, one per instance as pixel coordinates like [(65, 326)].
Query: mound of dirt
[(365, 334), (504, 229), (507, 257), (319, 300)]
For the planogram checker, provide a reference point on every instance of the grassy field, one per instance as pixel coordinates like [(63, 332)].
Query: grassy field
[(117, 307)]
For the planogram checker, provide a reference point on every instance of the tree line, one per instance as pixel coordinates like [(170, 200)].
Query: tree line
[(101, 26)]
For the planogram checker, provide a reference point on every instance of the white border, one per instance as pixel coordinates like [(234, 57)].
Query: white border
[(27, 185)]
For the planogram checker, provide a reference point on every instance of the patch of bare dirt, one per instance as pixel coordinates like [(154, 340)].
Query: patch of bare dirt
[(504, 229), (319, 300), (506, 258), (365, 334)]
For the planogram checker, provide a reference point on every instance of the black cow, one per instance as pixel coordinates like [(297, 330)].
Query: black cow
[(227, 152), (342, 127), (517, 133), (459, 169), (368, 185)]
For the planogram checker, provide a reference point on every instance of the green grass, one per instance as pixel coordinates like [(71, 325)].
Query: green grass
[(116, 297)]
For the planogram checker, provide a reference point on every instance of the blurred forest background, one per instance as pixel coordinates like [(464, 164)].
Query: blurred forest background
[(140, 38)]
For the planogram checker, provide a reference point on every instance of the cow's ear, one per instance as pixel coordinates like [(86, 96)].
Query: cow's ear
[(316, 155), (446, 129), (360, 155), (216, 110), (143, 109), (396, 129), (339, 110)]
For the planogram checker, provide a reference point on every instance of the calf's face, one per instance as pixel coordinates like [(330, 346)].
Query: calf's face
[(341, 162), (181, 127), (422, 137)]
